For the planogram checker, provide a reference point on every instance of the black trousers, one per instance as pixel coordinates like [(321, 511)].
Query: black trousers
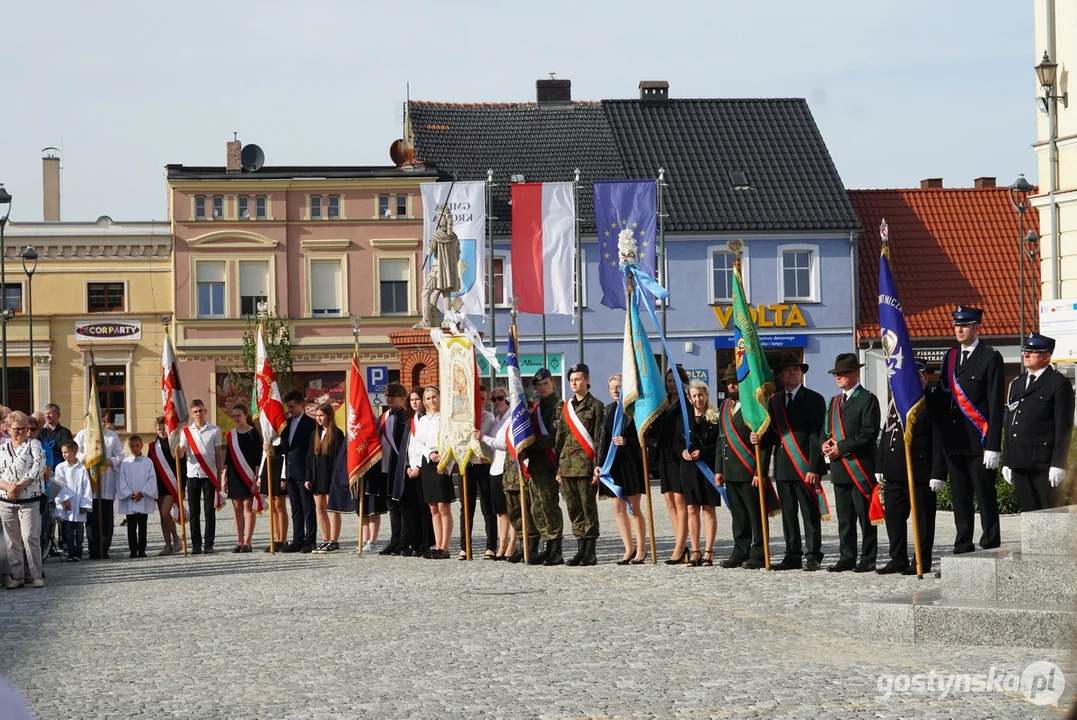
[(73, 534), (100, 542), (136, 533), (898, 509), (416, 525), (200, 493), (852, 509), (794, 497), (394, 523), (304, 523), (969, 478), (1033, 489), (747, 522), (478, 489)]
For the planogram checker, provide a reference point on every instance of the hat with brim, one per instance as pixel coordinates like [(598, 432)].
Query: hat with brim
[(845, 363), (790, 360), (542, 374), (1036, 343), (921, 364), (730, 374), (965, 315)]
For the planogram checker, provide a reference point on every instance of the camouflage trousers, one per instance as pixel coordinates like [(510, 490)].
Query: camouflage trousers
[(581, 499), (512, 504), (543, 502)]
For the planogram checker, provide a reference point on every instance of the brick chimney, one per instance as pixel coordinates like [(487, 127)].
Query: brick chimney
[(930, 183), (654, 92), (983, 182), (232, 160), (553, 91), (50, 187)]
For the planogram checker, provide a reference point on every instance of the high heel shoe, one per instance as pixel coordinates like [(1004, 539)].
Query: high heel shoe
[(629, 554), (679, 560), (640, 561), (697, 561), (708, 559)]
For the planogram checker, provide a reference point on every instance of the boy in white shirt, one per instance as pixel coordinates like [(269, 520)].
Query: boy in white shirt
[(136, 495), (74, 499)]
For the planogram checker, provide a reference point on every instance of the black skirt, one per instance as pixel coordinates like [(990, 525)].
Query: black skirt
[(374, 505), (276, 462), (669, 475), (437, 488), (699, 492), (237, 489), (497, 494)]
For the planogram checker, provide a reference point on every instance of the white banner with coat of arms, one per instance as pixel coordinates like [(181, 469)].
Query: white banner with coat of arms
[(467, 203)]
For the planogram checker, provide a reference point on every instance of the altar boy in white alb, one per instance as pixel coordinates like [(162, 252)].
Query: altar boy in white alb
[(75, 499), (137, 495)]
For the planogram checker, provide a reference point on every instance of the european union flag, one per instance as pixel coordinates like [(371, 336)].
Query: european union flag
[(624, 205), (900, 364)]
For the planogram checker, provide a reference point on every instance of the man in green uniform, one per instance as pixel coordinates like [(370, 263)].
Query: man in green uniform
[(542, 499), (581, 421)]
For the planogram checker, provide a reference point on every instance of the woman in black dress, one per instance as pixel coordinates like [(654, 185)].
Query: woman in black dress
[(627, 471), (667, 464), (160, 452), (437, 487), (325, 445), (242, 456), (699, 494)]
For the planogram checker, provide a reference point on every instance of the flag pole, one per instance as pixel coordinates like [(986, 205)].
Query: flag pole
[(513, 313), (578, 243), (660, 270), (490, 270), (362, 476), (97, 471), (263, 310), (650, 503), (763, 505)]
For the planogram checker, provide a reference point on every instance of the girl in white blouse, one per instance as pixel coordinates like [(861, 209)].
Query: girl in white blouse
[(437, 487)]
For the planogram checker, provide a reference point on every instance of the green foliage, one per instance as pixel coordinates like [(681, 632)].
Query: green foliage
[(278, 348)]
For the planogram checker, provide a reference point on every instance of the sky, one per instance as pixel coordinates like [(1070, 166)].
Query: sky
[(901, 89)]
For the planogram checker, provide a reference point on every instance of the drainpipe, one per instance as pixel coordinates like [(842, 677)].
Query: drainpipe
[(1052, 156)]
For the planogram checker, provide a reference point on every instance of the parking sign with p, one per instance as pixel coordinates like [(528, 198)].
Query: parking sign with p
[(377, 378)]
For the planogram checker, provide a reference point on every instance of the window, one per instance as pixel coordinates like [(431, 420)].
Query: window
[(104, 297), (798, 279), (315, 207), (500, 296), (210, 289), (244, 207), (401, 206), (722, 276), (200, 207), (383, 207), (112, 394), (14, 297), (260, 207), (393, 277), (253, 286), (325, 288), (334, 206), (218, 207)]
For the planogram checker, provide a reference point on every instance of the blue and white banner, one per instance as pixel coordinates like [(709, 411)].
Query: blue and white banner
[(467, 203)]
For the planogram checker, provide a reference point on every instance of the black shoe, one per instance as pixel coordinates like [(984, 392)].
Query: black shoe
[(196, 550), (631, 553), (581, 546), (208, 550), (892, 568), (678, 560), (864, 567), (237, 549), (731, 563), (387, 550), (752, 564), (142, 553), (812, 566), (307, 549), (589, 557), (105, 556), (245, 548), (911, 570), (134, 555), (787, 564), (287, 547), (540, 558), (532, 551), (556, 557), (841, 566)]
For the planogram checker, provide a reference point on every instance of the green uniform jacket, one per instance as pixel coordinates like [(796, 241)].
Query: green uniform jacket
[(539, 464), (726, 462), (573, 460), (860, 417)]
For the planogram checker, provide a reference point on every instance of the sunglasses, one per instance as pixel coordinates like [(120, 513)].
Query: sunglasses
[(498, 397), (20, 428)]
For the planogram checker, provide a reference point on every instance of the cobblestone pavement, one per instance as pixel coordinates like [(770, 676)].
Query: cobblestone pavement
[(312, 636)]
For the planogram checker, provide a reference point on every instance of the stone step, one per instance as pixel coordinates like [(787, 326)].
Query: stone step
[(926, 617), (1054, 531), (1008, 574)]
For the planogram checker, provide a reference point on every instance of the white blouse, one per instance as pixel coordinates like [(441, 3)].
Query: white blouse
[(25, 463), (493, 437), (425, 440)]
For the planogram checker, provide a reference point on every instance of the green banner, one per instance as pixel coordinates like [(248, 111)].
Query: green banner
[(529, 365)]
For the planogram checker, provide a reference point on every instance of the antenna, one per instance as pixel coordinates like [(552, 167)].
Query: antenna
[(251, 158)]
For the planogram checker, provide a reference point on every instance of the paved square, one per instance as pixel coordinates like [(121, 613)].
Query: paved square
[(309, 636)]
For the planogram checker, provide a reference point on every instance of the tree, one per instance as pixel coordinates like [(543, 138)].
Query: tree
[(278, 348)]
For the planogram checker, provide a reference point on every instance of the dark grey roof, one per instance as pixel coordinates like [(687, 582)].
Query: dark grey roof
[(287, 172), (792, 181)]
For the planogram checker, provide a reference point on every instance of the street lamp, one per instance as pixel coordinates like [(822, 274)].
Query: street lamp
[(1047, 74), (5, 313), (1019, 192), (29, 266)]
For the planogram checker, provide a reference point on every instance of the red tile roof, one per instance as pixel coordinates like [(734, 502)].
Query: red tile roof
[(948, 247)]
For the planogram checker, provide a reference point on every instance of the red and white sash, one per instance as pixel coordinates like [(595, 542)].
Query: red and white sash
[(207, 462), (244, 470), (578, 430), (167, 473)]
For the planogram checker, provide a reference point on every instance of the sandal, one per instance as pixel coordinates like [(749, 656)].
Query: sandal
[(696, 561), (462, 555), (708, 559), (489, 555)]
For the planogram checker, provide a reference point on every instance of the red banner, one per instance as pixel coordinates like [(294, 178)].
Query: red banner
[(364, 445)]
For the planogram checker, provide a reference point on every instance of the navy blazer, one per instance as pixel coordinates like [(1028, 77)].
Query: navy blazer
[(295, 452)]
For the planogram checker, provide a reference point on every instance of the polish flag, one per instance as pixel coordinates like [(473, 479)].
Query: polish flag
[(267, 396), (543, 238), (173, 402)]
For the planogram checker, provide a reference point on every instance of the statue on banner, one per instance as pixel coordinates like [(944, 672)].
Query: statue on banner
[(443, 279)]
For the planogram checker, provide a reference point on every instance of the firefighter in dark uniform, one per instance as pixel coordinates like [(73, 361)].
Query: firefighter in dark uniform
[(972, 376), (1039, 422), (928, 469)]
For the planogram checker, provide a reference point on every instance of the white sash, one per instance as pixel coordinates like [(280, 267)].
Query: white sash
[(206, 460), (163, 466), (578, 430), (536, 412)]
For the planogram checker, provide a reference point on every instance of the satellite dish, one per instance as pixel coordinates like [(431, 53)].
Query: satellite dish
[(251, 158)]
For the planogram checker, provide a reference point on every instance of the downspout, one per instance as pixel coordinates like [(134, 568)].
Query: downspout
[(1052, 161)]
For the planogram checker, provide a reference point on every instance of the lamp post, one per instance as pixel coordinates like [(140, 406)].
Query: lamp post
[(29, 266), (1019, 192), (1047, 74), (5, 312)]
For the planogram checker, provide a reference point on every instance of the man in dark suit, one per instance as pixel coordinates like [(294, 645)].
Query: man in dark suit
[(972, 375), (928, 469), (797, 415), (294, 443), (1039, 414), (391, 429), (849, 436)]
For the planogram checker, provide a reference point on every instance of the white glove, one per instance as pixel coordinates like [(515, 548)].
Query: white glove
[(990, 459), (936, 485), (880, 479), (1007, 474), (1056, 476)]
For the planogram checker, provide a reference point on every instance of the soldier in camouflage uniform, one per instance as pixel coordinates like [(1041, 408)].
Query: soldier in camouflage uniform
[(580, 424), (510, 483), (542, 499)]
